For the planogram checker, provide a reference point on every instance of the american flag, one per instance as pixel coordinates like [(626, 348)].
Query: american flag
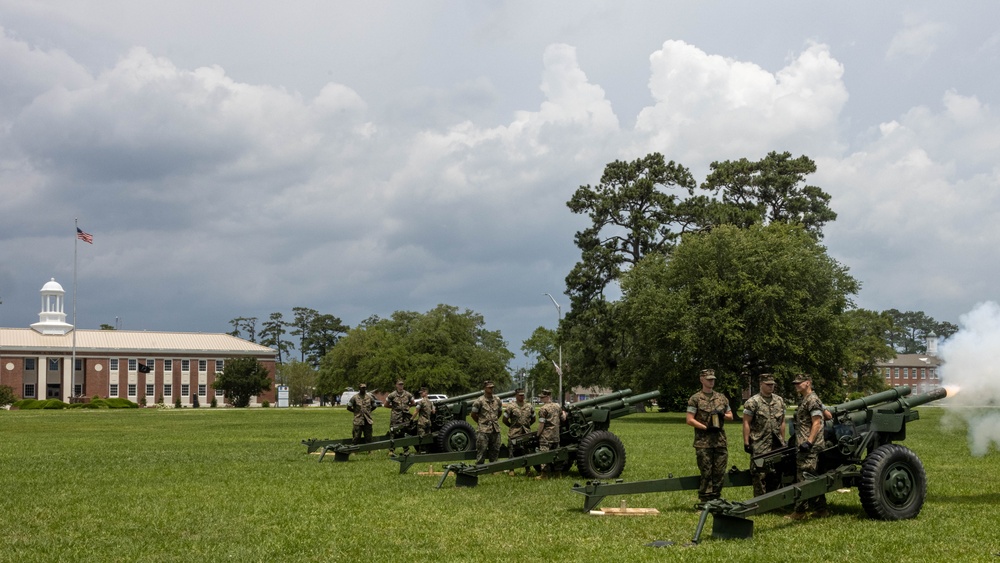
[(85, 237)]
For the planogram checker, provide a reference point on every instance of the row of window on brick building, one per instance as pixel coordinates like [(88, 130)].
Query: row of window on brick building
[(134, 368), (924, 373)]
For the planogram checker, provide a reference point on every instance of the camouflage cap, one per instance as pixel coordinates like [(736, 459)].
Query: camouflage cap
[(488, 383), (545, 393), (519, 391), (362, 386), (766, 378), (399, 382), (707, 373), (800, 377)]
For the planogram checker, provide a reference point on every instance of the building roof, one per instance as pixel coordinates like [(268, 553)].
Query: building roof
[(911, 360), (124, 341)]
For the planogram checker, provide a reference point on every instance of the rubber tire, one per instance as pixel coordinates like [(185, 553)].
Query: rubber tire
[(456, 436), (601, 455), (893, 483)]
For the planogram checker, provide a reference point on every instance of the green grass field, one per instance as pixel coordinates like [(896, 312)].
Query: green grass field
[(213, 484)]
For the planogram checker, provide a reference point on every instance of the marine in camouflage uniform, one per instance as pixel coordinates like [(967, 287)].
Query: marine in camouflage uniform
[(518, 416), (400, 402), (763, 429), (549, 416), (808, 422), (486, 411), (425, 409), (707, 411), (362, 406)]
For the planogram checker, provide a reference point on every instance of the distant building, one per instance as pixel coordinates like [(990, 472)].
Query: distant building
[(37, 362), (919, 371)]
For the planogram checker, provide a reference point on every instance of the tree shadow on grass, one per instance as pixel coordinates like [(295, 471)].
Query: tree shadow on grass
[(985, 498)]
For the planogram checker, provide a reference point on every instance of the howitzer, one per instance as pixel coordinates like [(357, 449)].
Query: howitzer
[(449, 431), (859, 451), (584, 438)]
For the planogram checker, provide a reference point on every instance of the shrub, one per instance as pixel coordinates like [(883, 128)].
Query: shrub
[(159, 400), (215, 403), (54, 404), (142, 401), (265, 404), (6, 395), (177, 403)]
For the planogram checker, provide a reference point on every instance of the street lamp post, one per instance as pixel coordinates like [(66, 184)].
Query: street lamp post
[(559, 366)]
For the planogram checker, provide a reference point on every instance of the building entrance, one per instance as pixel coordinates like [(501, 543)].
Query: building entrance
[(53, 391)]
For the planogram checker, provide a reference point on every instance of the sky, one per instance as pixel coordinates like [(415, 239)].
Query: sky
[(238, 158)]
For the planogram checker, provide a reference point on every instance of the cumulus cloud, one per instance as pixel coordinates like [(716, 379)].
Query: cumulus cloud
[(710, 107), (916, 39)]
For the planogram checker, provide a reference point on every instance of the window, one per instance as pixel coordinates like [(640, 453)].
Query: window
[(923, 373), (149, 390), (151, 364), (906, 373), (185, 389), (78, 390), (218, 392), (202, 366), (29, 390), (185, 365), (113, 364), (933, 373), (113, 391), (202, 389), (133, 364), (168, 389), (131, 389), (53, 364), (29, 365), (220, 365), (896, 372), (168, 365), (78, 366)]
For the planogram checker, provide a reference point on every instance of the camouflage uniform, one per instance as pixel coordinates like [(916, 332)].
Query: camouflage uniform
[(424, 411), (362, 407), (519, 418), (710, 447), (488, 429), (809, 407), (767, 431), (549, 417), (399, 416)]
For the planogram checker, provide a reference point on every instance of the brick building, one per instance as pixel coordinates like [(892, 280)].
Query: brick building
[(141, 366), (918, 371)]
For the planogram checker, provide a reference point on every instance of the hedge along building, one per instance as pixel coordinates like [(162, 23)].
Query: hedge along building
[(141, 366)]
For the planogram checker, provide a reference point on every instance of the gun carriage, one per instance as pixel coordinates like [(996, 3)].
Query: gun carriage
[(584, 439), (449, 432), (860, 452)]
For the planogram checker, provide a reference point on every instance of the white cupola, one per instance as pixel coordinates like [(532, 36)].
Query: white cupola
[(932, 344), (52, 319)]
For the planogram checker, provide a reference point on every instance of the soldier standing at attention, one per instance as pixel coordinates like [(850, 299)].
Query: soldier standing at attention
[(763, 427), (425, 409), (707, 411), (400, 402), (809, 437), (518, 417), (549, 416), (362, 406), (486, 412)]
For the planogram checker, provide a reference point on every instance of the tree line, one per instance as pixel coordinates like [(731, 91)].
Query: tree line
[(672, 277)]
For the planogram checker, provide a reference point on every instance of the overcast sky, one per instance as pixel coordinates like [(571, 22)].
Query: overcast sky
[(237, 158)]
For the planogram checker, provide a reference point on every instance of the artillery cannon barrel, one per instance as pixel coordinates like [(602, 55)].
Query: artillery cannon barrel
[(621, 403), (599, 400), (865, 402), (458, 399), (933, 395)]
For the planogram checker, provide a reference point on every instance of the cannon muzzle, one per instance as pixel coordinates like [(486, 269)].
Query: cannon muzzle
[(458, 398), (870, 400)]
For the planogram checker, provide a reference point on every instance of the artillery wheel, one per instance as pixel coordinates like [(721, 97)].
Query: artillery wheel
[(455, 436), (601, 455), (893, 483)]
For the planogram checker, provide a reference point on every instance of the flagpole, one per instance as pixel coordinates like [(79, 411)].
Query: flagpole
[(72, 366)]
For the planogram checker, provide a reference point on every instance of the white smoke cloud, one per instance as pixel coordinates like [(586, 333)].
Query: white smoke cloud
[(971, 363)]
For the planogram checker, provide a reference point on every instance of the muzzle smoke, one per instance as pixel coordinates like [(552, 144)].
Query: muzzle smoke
[(971, 362)]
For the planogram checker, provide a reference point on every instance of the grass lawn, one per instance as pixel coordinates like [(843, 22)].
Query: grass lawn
[(212, 484)]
